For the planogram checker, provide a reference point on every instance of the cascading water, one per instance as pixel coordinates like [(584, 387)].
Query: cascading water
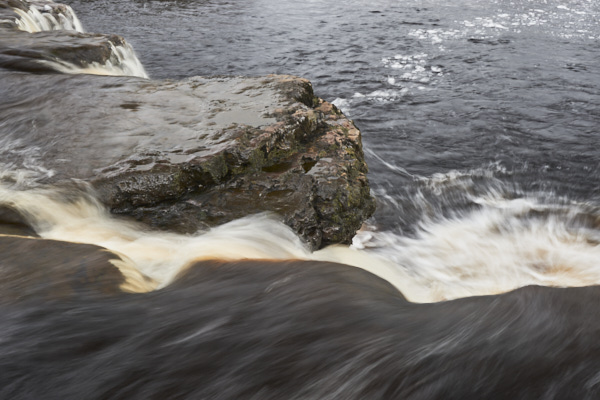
[(43, 16), (122, 62), (502, 246), (494, 245), (47, 16)]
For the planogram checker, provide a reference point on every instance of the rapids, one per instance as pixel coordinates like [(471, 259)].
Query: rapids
[(480, 124), (506, 245)]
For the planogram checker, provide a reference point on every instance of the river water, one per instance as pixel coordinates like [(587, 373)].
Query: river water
[(480, 127), (479, 120)]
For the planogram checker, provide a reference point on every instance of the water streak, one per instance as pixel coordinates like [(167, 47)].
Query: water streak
[(503, 246)]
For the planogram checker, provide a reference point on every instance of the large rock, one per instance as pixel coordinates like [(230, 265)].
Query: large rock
[(200, 152), (305, 164), (179, 156)]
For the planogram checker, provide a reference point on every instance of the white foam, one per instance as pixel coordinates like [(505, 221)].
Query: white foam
[(40, 18), (342, 104), (410, 68), (376, 96), (493, 250), (29, 170), (385, 95)]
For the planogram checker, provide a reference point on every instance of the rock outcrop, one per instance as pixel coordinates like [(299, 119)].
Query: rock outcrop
[(62, 51), (186, 155), (182, 156), (302, 159)]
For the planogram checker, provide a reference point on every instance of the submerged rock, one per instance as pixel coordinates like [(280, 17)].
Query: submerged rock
[(301, 330), (50, 270), (12, 222)]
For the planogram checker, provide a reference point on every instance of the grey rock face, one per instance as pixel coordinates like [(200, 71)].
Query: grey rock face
[(186, 155)]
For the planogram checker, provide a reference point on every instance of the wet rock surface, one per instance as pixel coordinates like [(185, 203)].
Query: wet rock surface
[(305, 164), (186, 155), (12, 222), (179, 156), (41, 269)]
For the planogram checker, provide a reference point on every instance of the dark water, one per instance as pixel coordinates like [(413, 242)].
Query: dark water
[(506, 93)]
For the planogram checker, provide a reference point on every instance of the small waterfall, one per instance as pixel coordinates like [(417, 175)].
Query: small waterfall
[(162, 255), (47, 16), (122, 62)]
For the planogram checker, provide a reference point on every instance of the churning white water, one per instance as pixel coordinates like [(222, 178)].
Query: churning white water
[(47, 16), (492, 250), (495, 249)]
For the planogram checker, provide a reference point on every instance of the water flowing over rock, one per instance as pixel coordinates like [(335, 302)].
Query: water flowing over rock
[(296, 330), (50, 270), (44, 36), (38, 15)]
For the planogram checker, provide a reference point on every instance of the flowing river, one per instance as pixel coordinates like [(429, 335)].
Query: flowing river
[(479, 120)]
